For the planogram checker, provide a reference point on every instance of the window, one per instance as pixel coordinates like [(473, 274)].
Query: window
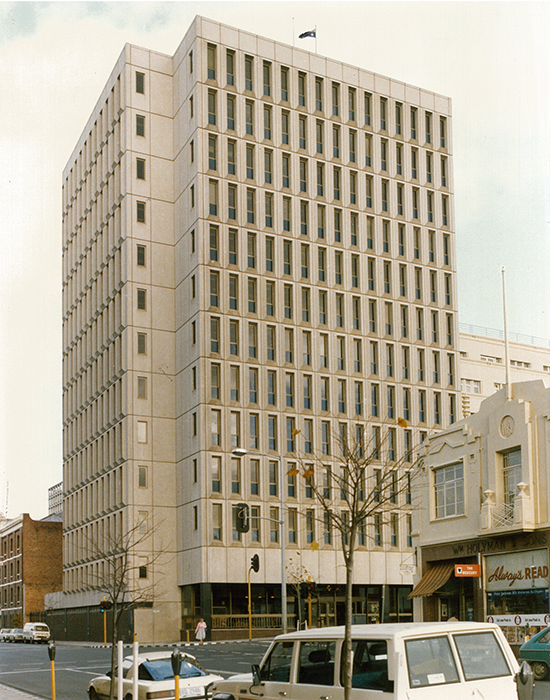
[(267, 78), (284, 84), (254, 477), (140, 125), (449, 490), (267, 123), (233, 337), (414, 125), (336, 141), (248, 73), (232, 201), (306, 348), (212, 107), (249, 117), (351, 104), (268, 166), (215, 382), (306, 386), (140, 83), (142, 387), (303, 175), (214, 334), (272, 387), (140, 255), (335, 99), (270, 298), (253, 385), (271, 343), (319, 131), (273, 475), (383, 114), (230, 66), (368, 190), (428, 127), (142, 299), (285, 127), (511, 469), (217, 531), (287, 301), (337, 225), (142, 343), (302, 89), (442, 132), (320, 221), (216, 428), (286, 170), (140, 168), (214, 288), (337, 183), (211, 61), (421, 652), (231, 112), (249, 162)]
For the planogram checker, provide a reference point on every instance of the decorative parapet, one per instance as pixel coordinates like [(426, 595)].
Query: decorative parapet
[(487, 508), (523, 507)]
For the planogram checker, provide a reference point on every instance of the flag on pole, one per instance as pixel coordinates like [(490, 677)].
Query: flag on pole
[(312, 33)]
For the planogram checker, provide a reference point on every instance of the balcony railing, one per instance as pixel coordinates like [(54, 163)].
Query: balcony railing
[(258, 621)]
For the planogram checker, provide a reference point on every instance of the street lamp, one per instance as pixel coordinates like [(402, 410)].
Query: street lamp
[(241, 452)]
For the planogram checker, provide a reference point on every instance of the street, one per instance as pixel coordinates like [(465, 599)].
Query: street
[(27, 667)]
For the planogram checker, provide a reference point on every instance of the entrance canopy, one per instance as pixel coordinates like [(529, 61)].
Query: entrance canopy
[(432, 580)]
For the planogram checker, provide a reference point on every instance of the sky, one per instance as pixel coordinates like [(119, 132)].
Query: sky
[(491, 58)]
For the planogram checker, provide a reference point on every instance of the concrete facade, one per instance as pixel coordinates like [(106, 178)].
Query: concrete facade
[(483, 363), (257, 240)]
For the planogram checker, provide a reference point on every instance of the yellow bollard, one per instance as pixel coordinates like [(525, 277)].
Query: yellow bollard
[(51, 654)]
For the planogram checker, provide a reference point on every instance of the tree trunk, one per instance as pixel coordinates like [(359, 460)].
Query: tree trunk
[(347, 655), (112, 686)]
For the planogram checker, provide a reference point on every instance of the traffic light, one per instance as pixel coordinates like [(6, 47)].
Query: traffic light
[(255, 563), (105, 605), (242, 517)]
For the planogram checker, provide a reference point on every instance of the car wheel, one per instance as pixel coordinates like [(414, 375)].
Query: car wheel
[(93, 695), (128, 697), (540, 670)]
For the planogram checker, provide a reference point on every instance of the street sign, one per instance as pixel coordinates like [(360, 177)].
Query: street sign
[(471, 570)]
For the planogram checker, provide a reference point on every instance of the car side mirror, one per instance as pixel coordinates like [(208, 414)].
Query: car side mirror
[(109, 673), (256, 677), (525, 682)]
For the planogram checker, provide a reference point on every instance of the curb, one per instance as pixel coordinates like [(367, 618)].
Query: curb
[(7, 693)]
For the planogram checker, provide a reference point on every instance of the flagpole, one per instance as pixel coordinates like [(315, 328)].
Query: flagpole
[(315, 38)]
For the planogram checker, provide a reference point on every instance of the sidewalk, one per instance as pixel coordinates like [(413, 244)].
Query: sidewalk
[(7, 693)]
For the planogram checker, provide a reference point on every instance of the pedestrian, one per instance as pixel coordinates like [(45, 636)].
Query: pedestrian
[(200, 630)]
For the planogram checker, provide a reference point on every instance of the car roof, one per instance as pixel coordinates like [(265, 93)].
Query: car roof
[(388, 630), (155, 655)]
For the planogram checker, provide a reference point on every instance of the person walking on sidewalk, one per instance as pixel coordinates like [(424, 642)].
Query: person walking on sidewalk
[(200, 630)]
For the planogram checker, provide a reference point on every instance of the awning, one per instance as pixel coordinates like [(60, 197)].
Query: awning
[(433, 579)]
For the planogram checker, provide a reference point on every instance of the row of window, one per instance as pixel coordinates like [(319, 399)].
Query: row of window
[(392, 487), (323, 96), (234, 246), (263, 431), (265, 387), (244, 292), (379, 321), (346, 146), (386, 197), (10, 573), (305, 528)]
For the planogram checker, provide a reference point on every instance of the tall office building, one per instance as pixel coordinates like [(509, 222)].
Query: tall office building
[(258, 240)]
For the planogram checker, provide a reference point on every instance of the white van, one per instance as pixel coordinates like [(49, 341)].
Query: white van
[(36, 632), (416, 661)]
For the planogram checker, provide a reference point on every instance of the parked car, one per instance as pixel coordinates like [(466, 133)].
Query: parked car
[(3, 634), (36, 632), (16, 635), (156, 678), (536, 651), (409, 661)]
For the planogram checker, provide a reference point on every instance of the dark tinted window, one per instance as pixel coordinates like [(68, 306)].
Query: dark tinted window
[(277, 664)]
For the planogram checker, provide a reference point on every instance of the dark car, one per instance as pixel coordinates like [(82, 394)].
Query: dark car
[(537, 653)]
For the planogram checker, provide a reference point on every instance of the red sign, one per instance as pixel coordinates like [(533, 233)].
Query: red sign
[(473, 570)]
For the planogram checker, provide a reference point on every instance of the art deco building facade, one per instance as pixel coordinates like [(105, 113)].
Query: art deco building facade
[(257, 240)]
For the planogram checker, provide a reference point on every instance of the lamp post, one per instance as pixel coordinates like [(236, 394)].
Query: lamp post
[(241, 452)]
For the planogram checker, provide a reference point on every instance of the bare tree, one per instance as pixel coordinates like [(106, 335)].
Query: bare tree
[(120, 556), (297, 575), (370, 481)]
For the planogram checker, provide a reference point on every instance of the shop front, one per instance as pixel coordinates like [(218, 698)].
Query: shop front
[(516, 585), (504, 579)]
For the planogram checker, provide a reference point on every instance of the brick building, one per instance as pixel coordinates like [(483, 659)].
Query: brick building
[(31, 565)]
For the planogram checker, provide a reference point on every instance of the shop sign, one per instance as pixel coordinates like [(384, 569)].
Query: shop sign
[(469, 570), (517, 570), (542, 620)]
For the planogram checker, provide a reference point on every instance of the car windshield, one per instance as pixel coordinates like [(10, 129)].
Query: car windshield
[(41, 628), (161, 669)]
